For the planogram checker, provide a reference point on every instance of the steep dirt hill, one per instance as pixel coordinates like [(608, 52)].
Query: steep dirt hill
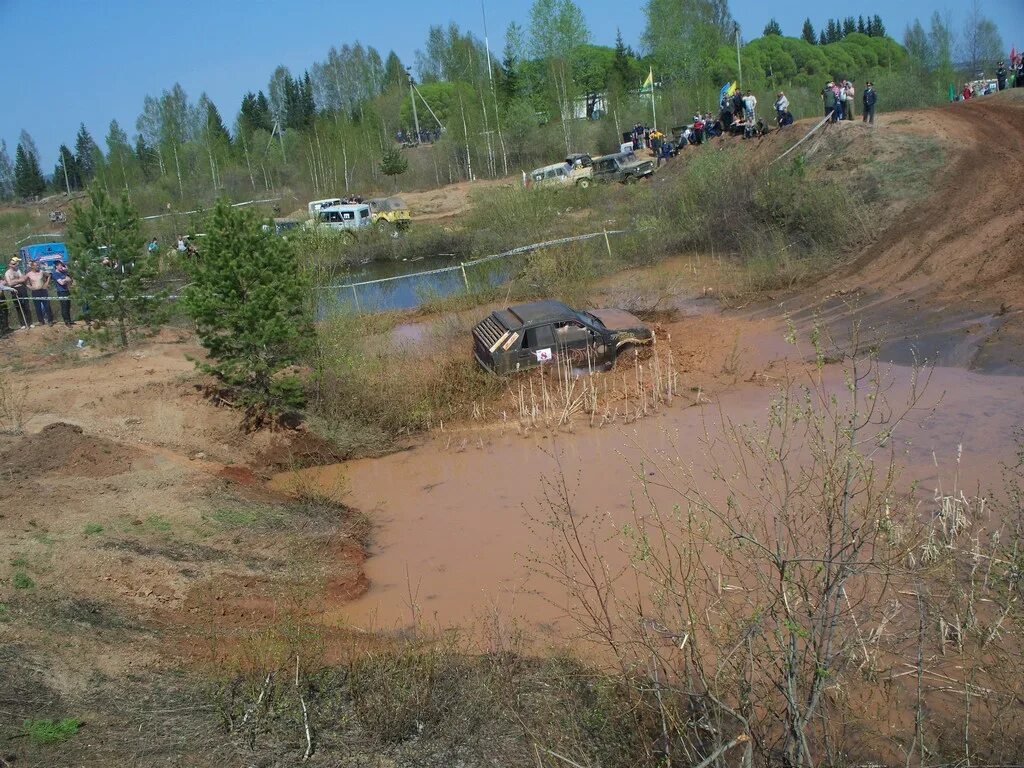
[(967, 239)]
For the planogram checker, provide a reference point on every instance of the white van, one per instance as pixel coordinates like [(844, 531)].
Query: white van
[(315, 206), (355, 216)]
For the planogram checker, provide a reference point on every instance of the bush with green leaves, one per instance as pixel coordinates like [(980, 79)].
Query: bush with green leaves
[(252, 304), (112, 271)]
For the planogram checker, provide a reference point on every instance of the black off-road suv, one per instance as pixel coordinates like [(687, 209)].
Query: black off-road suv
[(624, 167), (551, 333)]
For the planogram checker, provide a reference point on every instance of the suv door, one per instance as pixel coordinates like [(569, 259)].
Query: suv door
[(577, 343), (538, 347)]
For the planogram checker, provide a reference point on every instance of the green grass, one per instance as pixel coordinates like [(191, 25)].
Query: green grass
[(21, 580), (51, 731), (5, 613), (243, 517), (155, 524), (93, 528)]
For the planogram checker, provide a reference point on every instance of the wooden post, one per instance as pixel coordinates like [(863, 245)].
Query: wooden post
[(607, 243), (465, 279), (355, 297)]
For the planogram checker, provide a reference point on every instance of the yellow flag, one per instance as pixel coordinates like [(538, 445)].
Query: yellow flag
[(648, 84)]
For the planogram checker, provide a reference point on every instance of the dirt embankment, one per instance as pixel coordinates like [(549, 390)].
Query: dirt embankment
[(136, 537)]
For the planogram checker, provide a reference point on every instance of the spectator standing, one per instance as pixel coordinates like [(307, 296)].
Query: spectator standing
[(39, 286), (828, 98), (967, 92), (851, 95), (1019, 79), (1001, 75), (840, 101), (870, 98), (781, 107), (153, 247), (5, 321), (181, 244), (737, 104), (62, 285), (16, 281), (750, 107)]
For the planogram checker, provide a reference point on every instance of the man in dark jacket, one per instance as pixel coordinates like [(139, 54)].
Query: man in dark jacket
[(737, 104), (870, 97), (1001, 75)]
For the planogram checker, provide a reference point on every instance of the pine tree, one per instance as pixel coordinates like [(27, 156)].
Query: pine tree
[(393, 163), (869, 27), (395, 75), (250, 301), (772, 28), (85, 154), (822, 39), (6, 173), (254, 114), (832, 31), (28, 178), (808, 32), (146, 157), (308, 102), (621, 69), (849, 26), (860, 25), (113, 272), (878, 26), (216, 131)]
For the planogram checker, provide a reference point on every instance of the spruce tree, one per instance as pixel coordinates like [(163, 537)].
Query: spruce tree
[(772, 28), (849, 26), (822, 39), (395, 75), (252, 306), (113, 272), (393, 163), (860, 25), (878, 26), (85, 154), (28, 178), (869, 27), (621, 68), (808, 32)]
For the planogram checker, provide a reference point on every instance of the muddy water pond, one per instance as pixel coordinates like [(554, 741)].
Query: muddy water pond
[(457, 531)]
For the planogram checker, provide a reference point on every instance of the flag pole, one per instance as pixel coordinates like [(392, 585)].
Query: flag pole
[(654, 110)]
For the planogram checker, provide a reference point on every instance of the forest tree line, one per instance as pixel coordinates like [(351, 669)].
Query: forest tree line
[(325, 130)]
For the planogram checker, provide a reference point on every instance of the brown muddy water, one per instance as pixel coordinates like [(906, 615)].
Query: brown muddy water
[(458, 530)]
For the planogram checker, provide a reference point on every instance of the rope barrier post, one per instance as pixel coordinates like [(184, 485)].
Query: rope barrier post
[(355, 298), (465, 279), (607, 243)]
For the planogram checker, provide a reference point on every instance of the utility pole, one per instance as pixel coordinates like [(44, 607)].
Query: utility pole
[(494, 91), (415, 116), (739, 64), (64, 165)]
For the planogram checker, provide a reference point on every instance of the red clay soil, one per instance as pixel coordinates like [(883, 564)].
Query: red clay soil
[(64, 448)]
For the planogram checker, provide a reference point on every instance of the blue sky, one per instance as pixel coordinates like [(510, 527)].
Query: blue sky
[(72, 61)]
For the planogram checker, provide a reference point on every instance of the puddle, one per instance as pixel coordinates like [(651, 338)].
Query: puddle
[(456, 530)]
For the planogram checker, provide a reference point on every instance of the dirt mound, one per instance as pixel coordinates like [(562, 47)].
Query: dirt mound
[(64, 448)]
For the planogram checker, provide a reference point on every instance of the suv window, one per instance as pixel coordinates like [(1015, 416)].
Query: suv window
[(540, 337), (364, 213), (571, 332)]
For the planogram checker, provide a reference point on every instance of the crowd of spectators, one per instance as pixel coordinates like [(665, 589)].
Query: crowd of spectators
[(21, 292)]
